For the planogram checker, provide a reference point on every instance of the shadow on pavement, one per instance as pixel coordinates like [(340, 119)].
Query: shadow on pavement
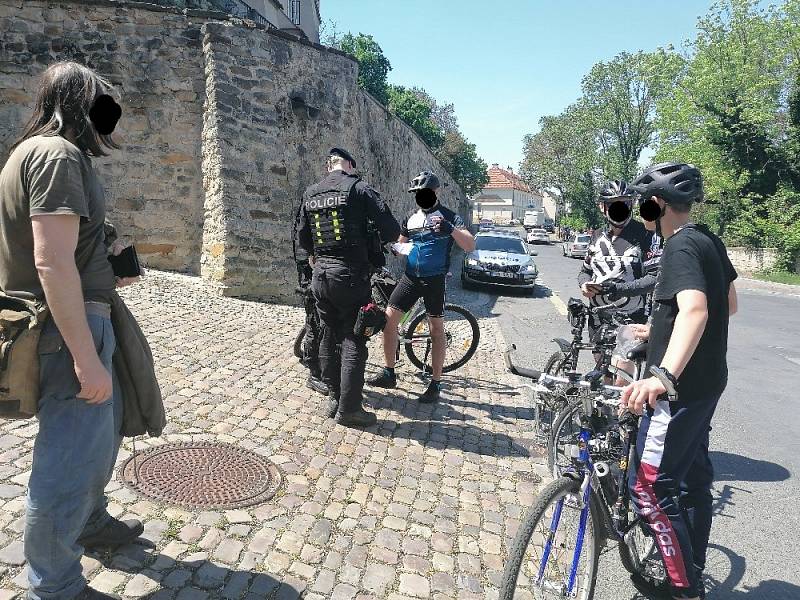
[(733, 467), (456, 436), (198, 577)]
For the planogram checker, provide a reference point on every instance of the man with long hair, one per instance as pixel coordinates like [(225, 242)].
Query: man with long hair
[(52, 248)]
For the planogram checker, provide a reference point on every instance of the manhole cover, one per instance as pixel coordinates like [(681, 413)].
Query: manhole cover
[(202, 475)]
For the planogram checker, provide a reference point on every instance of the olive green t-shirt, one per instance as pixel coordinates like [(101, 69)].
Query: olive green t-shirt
[(48, 175)]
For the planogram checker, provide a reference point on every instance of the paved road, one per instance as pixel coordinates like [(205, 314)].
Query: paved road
[(754, 444)]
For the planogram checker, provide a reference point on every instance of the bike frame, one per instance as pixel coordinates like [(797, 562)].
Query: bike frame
[(584, 469)]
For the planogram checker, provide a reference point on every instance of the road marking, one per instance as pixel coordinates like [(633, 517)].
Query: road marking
[(559, 304)]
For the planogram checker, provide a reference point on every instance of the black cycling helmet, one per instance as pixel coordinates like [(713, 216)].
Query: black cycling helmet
[(617, 201), (615, 190), (674, 182), (425, 180)]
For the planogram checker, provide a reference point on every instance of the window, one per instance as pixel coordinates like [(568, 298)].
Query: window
[(499, 244), (294, 11)]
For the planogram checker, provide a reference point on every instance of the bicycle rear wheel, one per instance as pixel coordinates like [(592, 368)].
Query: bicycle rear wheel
[(462, 335), (556, 516)]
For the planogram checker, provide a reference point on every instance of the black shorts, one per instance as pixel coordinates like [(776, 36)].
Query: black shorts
[(410, 289)]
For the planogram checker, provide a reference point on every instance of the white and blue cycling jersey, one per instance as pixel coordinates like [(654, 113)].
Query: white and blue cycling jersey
[(430, 252)]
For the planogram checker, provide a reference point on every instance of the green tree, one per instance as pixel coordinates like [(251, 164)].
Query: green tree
[(417, 112), (562, 156), (373, 66), (461, 160), (735, 113), (619, 98)]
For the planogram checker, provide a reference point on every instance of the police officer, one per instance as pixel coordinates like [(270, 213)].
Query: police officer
[(333, 227)]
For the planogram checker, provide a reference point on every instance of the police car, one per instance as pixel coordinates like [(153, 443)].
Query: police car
[(500, 258)]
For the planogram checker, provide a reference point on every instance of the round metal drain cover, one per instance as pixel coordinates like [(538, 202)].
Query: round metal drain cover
[(202, 475)]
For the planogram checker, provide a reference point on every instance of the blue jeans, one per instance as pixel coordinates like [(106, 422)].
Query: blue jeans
[(73, 460)]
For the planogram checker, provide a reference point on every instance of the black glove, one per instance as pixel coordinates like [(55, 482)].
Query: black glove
[(609, 289)]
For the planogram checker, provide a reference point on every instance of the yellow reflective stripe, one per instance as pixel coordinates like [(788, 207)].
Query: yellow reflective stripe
[(336, 230)]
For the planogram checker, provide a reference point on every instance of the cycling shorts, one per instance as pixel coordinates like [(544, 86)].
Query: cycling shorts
[(410, 289)]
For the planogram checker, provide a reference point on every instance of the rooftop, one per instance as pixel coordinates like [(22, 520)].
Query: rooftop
[(505, 178)]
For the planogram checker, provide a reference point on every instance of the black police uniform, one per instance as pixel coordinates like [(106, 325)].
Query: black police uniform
[(333, 227)]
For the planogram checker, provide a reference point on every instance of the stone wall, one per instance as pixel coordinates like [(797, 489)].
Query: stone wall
[(296, 102), (154, 59), (224, 125), (753, 260)]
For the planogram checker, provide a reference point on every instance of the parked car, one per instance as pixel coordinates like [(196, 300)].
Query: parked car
[(549, 225), (514, 222), (485, 224), (500, 258), (538, 236), (577, 245)]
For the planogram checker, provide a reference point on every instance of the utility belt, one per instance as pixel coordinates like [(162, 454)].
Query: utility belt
[(21, 325)]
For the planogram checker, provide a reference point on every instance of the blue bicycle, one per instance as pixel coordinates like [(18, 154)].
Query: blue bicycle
[(556, 550)]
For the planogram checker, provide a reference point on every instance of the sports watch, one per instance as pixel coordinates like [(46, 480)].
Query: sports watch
[(668, 380)]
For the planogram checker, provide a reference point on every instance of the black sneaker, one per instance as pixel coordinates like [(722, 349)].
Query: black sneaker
[(431, 394), (316, 384), (384, 379), (114, 533), (359, 418), (650, 588), (92, 594), (330, 405)]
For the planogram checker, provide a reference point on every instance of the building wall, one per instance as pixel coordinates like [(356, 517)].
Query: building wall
[(223, 127), (276, 139), (154, 58)]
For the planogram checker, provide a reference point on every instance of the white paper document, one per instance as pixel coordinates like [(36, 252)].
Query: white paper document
[(404, 248)]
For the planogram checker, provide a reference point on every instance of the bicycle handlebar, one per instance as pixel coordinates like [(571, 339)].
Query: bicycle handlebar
[(549, 382)]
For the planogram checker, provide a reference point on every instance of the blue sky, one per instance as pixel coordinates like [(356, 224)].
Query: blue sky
[(505, 63)]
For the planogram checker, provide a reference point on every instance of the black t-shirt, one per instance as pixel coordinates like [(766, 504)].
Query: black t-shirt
[(694, 259)]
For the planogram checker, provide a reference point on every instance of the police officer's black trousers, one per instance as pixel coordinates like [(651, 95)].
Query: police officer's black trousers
[(340, 290)]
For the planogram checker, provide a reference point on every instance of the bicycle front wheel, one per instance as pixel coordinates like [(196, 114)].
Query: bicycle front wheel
[(536, 569), (461, 333)]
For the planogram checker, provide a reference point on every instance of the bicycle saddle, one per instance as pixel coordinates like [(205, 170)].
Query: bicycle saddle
[(638, 352)]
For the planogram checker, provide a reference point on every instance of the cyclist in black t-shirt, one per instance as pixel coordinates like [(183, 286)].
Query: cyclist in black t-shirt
[(693, 298)]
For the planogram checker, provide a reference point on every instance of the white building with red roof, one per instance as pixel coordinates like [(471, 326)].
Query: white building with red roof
[(505, 197)]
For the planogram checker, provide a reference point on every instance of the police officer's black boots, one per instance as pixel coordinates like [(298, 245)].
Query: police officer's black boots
[(385, 379), (330, 406), (315, 383), (359, 418)]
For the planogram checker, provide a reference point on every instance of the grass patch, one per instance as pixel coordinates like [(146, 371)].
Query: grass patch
[(779, 277)]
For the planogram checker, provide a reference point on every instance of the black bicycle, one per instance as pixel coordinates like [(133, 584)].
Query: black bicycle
[(461, 329)]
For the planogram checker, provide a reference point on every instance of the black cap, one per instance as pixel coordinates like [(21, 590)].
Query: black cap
[(344, 154)]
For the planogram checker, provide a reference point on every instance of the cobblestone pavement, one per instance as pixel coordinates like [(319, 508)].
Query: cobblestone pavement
[(420, 506)]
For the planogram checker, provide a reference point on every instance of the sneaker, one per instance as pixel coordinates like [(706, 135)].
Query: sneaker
[(330, 406), (650, 588), (384, 379), (359, 418), (316, 384), (431, 394), (114, 533), (92, 594)]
